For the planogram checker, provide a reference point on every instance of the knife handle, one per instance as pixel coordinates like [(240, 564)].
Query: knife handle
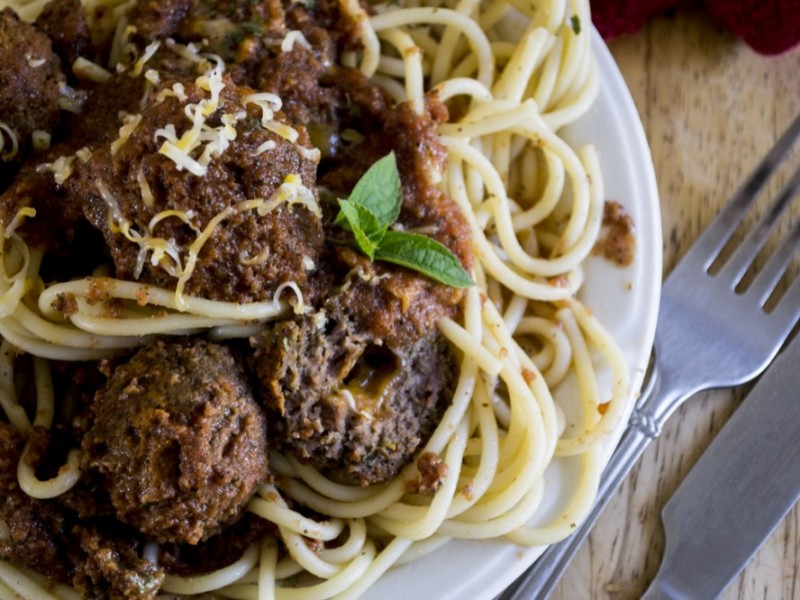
[(651, 412)]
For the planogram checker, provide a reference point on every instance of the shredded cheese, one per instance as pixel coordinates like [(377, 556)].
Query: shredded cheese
[(86, 70), (22, 213), (130, 123), (294, 37), (40, 139), (61, 168), (12, 138), (148, 53)]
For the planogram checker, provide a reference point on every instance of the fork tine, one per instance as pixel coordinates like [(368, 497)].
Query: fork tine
[(766, 280), (740, 260), (788, 309), (718, 233)]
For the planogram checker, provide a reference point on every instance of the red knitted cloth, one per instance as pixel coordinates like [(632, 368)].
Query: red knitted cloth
[(767, 26)]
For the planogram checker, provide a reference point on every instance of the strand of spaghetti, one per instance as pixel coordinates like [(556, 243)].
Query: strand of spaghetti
[(127, 328), (300, 551), (106, 287), (479, 482), (335, 585), (528, 374), (514, 311), (576, 105), (584, 370), (545, 82), (548, 199), (465, 342), (444, 16), (68, 476), (522, 63), (412, 66), (79, 338), (267, 563), (299, 492), (443, 58), (21, 584), (12, 295), (11, 331), (523, 379), (293, 521), (425, 41), (336, 491), (378, 566), (575, 51), (426, 520), (573, 512), (69, 473), (369, 39), (45, 395), (391, 86), (347, 551), (8, 394), (220, 333), (509, 487), (504, 524), (560, 357), (616, 407), (525, 120), (533, 288), (565, 261), (465, 386), (587, 202), (462, 86), (200, 584)]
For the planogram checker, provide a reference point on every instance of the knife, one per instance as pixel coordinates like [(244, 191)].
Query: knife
[(738, 492)]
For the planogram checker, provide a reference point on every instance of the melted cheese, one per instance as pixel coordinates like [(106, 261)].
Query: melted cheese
[(12, 138)]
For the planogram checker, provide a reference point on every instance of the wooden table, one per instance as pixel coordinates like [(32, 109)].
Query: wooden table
[(711, 108)]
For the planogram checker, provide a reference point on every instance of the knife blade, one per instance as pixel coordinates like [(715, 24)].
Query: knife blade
[(738, 492)]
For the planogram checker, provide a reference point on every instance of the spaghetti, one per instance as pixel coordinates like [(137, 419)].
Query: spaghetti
[(517, 73)]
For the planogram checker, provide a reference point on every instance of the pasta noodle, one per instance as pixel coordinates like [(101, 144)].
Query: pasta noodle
[(534, 205)]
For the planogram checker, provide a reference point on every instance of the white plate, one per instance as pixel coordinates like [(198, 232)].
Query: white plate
[(625, 300)]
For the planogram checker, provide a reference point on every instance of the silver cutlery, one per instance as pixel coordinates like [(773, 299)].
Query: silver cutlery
[(738, 492), (710, 334)]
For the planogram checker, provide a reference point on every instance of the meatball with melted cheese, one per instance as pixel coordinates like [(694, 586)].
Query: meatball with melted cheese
[(208, 190), (178, 440), (357, 410)]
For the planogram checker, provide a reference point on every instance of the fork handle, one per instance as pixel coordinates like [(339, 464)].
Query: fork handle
[(647, 419)]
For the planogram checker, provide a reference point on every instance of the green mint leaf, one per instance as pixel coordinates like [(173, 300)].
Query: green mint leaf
[(380, 191), (364, 225), (423, 254)]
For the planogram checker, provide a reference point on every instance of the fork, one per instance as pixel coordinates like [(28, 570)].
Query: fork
[(710, 334)]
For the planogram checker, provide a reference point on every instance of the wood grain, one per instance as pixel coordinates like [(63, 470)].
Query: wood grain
[(711, 108)]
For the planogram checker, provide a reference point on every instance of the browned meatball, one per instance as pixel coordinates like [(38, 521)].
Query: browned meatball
[(179, 440), (64, 21), (30, 80), (356, 410), (132, 190)]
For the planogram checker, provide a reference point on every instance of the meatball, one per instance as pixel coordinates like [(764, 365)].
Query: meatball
[(64, 21), (355, 409), (30, 87), (179, 440), (233, 228)]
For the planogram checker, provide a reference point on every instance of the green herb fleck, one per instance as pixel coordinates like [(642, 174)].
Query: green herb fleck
[(373, 206), (575, 23)]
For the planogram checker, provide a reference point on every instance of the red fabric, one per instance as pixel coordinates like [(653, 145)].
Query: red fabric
[(767, 26)]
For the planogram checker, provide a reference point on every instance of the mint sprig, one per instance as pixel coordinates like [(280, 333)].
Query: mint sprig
[(373, 206)]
